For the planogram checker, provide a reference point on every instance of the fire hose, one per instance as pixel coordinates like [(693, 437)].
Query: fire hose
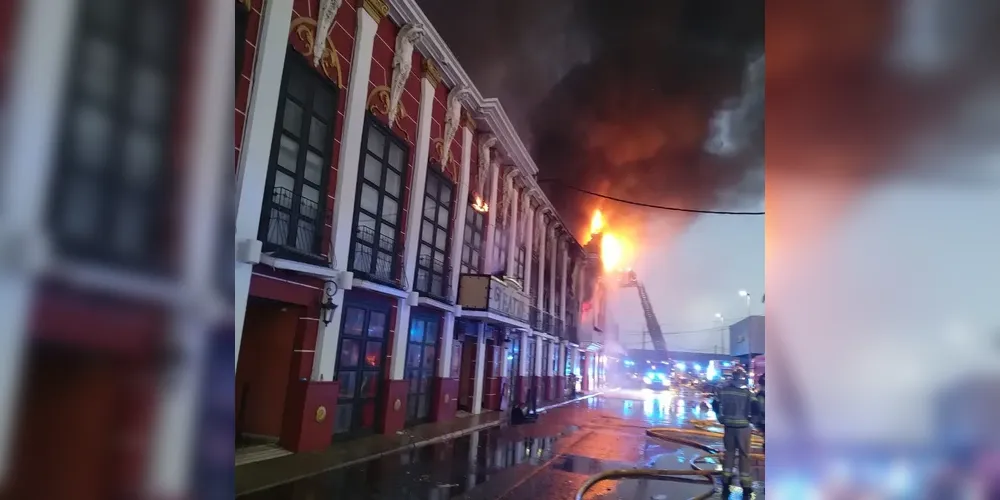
[(694, 475)]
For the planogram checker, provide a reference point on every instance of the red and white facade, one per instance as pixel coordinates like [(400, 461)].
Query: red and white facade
[(378, 190)]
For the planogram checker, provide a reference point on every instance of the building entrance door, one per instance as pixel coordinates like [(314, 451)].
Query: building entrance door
[(359, 369), (421, 354)]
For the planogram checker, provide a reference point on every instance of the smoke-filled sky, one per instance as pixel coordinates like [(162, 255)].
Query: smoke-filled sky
[(621, 100)]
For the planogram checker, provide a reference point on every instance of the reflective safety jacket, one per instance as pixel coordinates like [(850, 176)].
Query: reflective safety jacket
[(734, 405)]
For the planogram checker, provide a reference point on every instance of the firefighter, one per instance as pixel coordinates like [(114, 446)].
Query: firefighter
[(734, 406)]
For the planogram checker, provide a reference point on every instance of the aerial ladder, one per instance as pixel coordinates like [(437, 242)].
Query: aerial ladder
[(630, 280)]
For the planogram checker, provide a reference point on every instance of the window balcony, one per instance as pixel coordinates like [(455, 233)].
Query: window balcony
[(433, 279), (380, 266), (294, 227)]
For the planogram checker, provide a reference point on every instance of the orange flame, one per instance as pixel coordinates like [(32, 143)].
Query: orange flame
[(614, 248), (597, 223), (480, 205)]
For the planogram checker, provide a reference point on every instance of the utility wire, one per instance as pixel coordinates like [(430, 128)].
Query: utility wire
[(646, 205)]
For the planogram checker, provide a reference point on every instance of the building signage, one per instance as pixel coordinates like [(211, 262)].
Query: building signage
[(477, 292)]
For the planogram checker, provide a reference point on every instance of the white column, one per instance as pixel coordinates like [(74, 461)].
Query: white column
[(512, 238), (554, 239), (448, 329), (491, 218), (397, 367), (422, 146), (38, 65), (347, 183), (258, 134), (539, 363), (564, 268), (529, 240), (462, 207), (523, 368), (418, 188), (175, 423), (477, 391), (541, 260), (562, 358)]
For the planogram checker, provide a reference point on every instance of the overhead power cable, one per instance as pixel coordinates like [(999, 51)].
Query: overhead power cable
[(646, 205)]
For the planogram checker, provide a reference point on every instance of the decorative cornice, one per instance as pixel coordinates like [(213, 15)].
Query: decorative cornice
[(489, 110), (378, 9), (431, 72)]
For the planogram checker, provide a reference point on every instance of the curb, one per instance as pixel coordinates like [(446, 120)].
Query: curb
[(413, 445)]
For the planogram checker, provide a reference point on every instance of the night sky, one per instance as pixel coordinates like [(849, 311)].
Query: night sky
[(616, 99)]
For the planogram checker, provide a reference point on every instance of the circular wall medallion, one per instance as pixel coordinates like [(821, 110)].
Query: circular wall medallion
[(321, 414), (395, 406), (447, 397)]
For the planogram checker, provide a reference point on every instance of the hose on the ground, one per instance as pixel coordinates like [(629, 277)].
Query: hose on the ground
[(671, 434), (657, 474)]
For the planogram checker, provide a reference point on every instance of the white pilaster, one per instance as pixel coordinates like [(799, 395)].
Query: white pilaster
[(539, 362), (512, 238), (554, 239), (564, 268), (37, 67), (349, 159), (477, 391), (258, 134), (529, 240), (418, 188), (397, 359), (447, 341), (522, 369), (491, 219), (461, 209), (416, 209), (563, 346), (541, 261), (176, 421)]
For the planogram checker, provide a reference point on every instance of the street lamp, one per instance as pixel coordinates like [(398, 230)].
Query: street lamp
[(722, 334), (746, 295), (327, 307)]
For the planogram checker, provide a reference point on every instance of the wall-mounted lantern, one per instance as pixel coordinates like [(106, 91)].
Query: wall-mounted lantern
[(327, 307)]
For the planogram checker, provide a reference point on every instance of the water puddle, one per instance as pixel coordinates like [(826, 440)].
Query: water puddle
[(434, 472)]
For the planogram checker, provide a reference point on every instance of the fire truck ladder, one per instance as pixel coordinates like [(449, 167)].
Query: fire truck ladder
[(630, 280)]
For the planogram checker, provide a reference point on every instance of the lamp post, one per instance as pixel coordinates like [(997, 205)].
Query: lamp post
[(722, 329), (327, 307), (746, 295)]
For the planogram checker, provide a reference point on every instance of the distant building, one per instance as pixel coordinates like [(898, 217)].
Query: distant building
[(746, 338)]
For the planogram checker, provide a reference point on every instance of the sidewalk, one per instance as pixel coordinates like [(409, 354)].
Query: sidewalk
[(265, 474)]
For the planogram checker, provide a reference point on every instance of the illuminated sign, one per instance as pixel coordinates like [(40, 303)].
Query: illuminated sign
[(478, 292)]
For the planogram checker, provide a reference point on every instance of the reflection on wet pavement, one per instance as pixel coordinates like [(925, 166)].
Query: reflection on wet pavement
[(549, 459)]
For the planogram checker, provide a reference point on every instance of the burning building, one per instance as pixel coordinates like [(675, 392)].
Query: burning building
[(397, 259)]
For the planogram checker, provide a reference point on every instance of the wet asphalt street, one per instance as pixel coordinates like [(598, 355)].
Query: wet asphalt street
[(549, 459)]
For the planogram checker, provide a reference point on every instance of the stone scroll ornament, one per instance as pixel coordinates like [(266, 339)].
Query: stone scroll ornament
[(324, 24), (402, 63), (452, 121), (485, 145)]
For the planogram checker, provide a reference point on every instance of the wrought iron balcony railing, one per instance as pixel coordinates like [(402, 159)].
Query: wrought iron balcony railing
[(433, 279), (294, 227), (381, 262), (557, 327)]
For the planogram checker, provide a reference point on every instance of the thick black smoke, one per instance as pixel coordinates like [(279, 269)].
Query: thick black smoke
[(618, 97)]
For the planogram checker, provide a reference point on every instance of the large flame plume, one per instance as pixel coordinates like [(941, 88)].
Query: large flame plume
[(616, 250)]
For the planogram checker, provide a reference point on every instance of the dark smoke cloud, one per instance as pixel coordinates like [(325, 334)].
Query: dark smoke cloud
[(618, 97)]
